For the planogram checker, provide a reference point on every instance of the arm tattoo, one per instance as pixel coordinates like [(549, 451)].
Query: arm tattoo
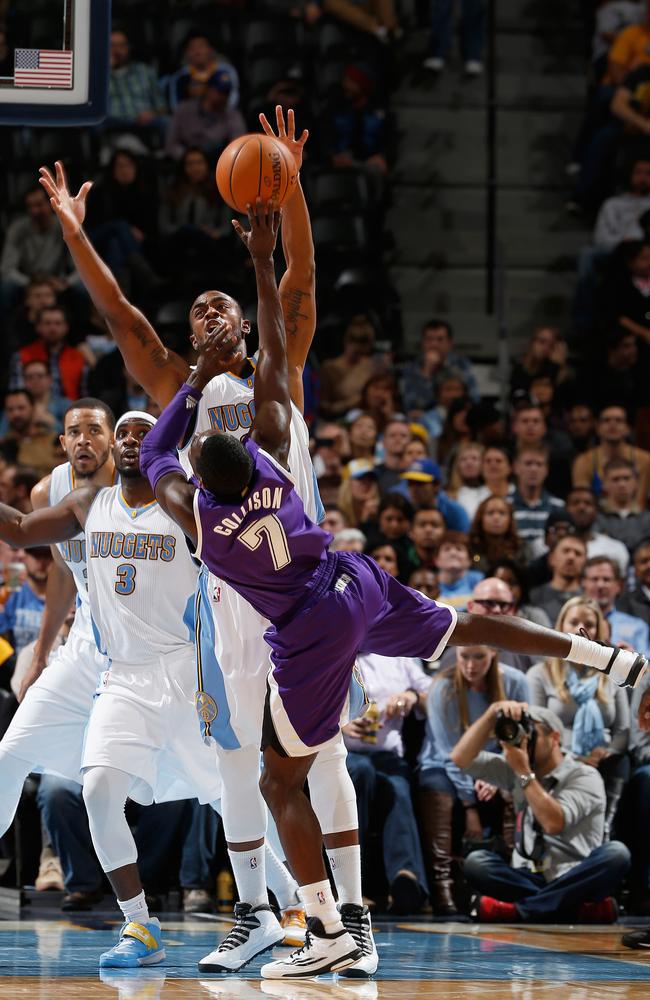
[(159, 356), (293, 298), (141, 333)]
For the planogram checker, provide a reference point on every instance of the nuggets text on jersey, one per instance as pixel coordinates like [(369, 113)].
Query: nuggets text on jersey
[(232, 416), (131, 545)]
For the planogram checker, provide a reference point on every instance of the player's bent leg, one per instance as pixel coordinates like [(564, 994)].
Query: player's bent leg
[(243, 813), (335, 804), (13, 772), (328, 946), (105, 792)]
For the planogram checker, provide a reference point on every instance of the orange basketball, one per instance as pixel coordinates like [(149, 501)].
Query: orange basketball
[(255, 166)]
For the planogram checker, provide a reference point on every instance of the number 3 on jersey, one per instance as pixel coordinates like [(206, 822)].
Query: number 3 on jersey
[(269, 528), (125, 583)]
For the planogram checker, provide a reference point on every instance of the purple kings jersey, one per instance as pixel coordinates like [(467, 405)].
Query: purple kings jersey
[(265, 547)]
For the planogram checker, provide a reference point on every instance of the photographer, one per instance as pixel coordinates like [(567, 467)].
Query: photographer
[(561, 868)]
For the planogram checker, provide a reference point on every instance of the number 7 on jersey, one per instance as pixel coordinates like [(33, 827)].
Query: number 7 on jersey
[(268, 529)]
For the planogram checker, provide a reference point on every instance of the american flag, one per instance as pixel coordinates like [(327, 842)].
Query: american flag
[(42, 68)]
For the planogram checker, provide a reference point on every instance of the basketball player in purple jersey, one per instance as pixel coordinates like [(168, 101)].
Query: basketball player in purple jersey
[(250, 529), (238, 631)]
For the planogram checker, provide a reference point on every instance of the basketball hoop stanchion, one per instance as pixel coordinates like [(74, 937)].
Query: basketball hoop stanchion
[(67, 83)]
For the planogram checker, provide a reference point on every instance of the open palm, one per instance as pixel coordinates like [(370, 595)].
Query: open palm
[(287, 134), (70, 210)]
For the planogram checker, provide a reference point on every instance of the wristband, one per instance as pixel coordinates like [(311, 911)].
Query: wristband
[(623, 666)]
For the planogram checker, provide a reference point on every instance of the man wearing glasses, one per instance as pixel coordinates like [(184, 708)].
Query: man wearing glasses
[(493, 597)]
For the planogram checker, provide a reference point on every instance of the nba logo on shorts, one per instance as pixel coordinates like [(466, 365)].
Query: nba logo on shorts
[(253, 864), (321, 897), (216, 594)]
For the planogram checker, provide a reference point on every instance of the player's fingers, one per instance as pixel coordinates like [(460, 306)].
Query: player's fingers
[(264, 122), (60, 174), (303, 138), (47, 182), (279, 117), (251, 214), (84, 189), (46, 175), (238, 229), (291, 124)]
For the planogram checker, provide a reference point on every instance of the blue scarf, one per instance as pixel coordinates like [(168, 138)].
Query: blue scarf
[(588, 725)]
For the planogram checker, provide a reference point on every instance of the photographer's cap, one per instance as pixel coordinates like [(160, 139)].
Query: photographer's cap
[(547, 718)]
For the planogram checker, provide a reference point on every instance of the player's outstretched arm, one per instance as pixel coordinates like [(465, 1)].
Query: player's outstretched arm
[(158, 370), (271, 429), (45, 527), (298, 284), (625, 667)]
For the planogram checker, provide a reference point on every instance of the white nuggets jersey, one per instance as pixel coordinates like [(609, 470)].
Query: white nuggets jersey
[(141, 580), (227, 405), (73, 551)]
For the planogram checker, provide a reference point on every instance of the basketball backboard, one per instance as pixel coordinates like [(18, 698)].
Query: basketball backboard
[(56, 67)]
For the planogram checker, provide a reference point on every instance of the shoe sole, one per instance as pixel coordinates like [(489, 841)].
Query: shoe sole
[(339, 963), (155, 959), (220, 968), (352, 973)]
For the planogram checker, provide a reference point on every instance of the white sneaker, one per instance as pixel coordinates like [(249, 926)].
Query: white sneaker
[(434, 63), (357, 922), (473, 67), (255, 930), (320, 953)]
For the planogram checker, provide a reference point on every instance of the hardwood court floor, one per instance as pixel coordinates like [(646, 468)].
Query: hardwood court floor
[(57, 960)]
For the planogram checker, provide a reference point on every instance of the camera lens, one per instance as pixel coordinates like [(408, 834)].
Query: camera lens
[(506, 729)]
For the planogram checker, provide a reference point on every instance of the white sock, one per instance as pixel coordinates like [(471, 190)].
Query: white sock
[(280, 881), (319, 902), (250, 875), (134, 909), (345, 863)]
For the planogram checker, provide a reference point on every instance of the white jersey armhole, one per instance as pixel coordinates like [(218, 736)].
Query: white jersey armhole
[(278, 466), (197, 521)]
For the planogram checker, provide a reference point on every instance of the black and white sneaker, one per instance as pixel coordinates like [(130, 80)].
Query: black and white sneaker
[(357, 922), (255, 930), (637, 939), (320, 953)]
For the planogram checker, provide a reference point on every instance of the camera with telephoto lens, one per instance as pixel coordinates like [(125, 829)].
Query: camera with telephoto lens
[(513, 731)]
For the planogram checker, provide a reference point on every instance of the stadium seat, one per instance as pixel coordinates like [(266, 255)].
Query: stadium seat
[(263, 73), (270, 38), (340, 192), (341, 234)]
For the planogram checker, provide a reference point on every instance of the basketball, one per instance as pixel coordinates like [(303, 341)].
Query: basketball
[(255, 166)]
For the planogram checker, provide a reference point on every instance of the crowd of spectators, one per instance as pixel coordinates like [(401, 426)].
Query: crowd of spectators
[(540, 511)]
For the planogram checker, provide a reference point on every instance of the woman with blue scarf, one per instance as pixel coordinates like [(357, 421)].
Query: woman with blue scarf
[(595, 713)]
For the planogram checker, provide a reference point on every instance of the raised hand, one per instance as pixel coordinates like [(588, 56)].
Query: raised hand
[(287, 135), (264, 219), (216, 354), (70, 210)]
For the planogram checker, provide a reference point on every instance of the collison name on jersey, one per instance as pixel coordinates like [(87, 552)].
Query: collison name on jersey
[(265, 499)]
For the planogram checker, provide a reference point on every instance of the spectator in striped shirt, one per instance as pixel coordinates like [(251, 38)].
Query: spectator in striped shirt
[(531, 502), (135, 98)]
